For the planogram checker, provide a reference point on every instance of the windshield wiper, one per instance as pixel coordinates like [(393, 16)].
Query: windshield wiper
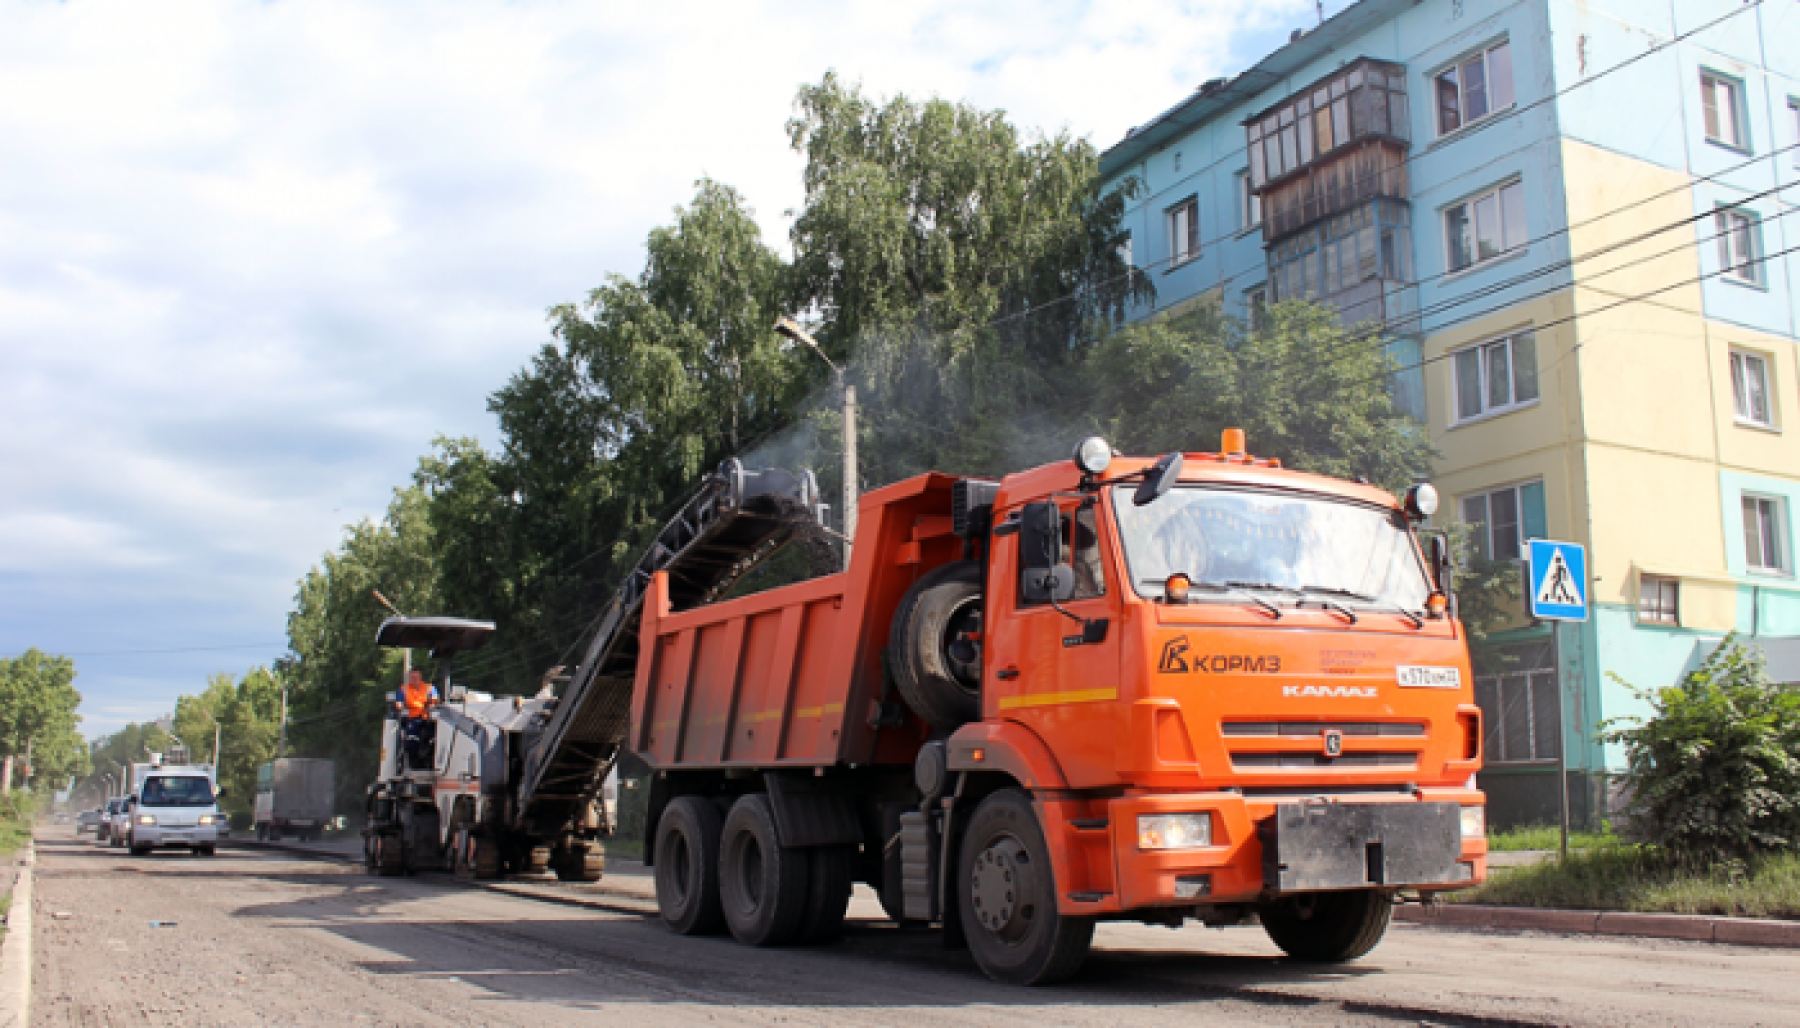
[(1386, 608), (1226, 587)]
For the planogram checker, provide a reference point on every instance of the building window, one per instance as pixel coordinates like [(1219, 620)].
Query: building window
[(1794, 116), (1765, 534), (1256, 306), (1480, 86), (1523, 715), (1750, 389), (1496, 376), (1722, 107), (1659, 600), (1249, 204), (1485, 227), (1184, 231), (1178, 162), (1505, 518), (1738, 233)]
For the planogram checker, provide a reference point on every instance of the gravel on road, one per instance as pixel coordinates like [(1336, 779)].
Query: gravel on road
[(270, 937)]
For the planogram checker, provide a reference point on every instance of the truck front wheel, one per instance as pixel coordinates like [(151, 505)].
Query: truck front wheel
[(687, 866), (762, 885), (1328, 927), (1007, 893)]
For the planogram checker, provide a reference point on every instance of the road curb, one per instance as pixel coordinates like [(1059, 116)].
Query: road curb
[(15, 954), (1738, 931)]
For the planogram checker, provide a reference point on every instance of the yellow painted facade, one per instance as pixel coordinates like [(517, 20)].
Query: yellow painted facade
[(1636, 417)]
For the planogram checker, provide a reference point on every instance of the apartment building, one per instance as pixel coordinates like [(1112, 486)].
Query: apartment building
[(1568, 219)]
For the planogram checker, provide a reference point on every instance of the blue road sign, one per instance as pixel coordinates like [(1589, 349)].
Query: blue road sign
[(1559, 583)]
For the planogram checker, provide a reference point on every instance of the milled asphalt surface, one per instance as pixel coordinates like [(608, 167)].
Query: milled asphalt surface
[(266, 936)]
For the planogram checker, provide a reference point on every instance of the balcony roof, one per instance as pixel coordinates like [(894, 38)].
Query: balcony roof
[(1206, 104)]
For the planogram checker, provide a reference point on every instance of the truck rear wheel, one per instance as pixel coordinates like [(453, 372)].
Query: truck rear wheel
[(1328, 927), (1007, 893), (687, 866), (939, 685), (827, 893), (762, 886)]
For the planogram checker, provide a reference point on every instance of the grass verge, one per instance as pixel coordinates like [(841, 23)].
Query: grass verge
[(1545, 837), (1618, 876), (17, 811)]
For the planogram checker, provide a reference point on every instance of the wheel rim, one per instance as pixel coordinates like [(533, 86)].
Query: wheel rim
[(964, 617), (1000, 889)]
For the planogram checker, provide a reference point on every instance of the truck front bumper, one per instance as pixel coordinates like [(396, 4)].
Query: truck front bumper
[(1262, 847)]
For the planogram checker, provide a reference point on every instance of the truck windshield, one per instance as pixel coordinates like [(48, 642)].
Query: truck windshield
[(186, 791), (1275, 545)]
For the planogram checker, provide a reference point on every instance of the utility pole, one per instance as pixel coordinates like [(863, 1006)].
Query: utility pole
[(405, 652), (847, 403)]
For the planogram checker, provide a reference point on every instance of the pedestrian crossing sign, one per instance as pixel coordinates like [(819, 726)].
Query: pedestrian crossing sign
[(1559, 581)]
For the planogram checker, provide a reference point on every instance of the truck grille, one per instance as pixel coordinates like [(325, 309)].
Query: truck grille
[(1305, 749), (1312, 729), (1320, 760)]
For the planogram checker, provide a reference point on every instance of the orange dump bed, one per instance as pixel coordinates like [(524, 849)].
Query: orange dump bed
[(791, 676)]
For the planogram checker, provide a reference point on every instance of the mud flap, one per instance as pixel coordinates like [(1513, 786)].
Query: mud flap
[(1308, 847)]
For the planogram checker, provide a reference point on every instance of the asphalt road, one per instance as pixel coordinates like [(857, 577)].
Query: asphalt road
[(271, 937)]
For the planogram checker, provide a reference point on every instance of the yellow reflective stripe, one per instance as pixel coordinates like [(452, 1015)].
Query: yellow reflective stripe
[(1046, 699)]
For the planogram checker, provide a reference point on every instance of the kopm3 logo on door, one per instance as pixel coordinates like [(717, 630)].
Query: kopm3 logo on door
[(1179, 658)]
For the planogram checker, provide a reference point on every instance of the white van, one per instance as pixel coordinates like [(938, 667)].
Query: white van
[(175, 805)]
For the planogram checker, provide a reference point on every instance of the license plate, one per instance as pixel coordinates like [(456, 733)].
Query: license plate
[(1412, 677), (301, 823)]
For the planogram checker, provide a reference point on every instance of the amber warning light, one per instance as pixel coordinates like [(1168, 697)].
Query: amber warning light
[(1233, 442)]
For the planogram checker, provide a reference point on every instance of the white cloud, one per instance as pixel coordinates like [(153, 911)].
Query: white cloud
[(253, 256)]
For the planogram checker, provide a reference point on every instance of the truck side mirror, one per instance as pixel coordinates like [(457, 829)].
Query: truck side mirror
[(219, 790), (1042, 579)]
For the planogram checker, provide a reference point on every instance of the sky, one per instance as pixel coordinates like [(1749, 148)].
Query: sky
[(255, 257)]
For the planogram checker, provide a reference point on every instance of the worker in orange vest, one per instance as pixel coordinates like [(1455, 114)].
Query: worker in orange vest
[(418, 733), (416, 698)]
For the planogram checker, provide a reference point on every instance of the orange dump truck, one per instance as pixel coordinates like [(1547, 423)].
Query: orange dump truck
[(1110, 688)]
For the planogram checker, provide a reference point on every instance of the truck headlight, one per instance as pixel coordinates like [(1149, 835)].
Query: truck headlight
[(1174, 831), (211, 819), (146, 819), (1474, 822)]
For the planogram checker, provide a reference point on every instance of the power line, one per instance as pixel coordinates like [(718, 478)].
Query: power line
[(179, 649)]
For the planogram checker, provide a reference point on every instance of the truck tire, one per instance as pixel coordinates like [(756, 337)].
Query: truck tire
[(205, 851), (827, 894), (943, 603), (1007, 895), (390, 856), (1328, 927), (762, 885), (687, 866)]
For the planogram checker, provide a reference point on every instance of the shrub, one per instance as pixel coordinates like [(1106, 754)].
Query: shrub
[(1715, 772)]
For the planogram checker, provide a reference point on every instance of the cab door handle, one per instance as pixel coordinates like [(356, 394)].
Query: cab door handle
[(1007, 674)]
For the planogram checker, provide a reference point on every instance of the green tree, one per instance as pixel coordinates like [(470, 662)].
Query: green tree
[(37, 713)]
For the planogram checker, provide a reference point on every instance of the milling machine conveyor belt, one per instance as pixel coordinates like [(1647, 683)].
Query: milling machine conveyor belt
[(738, 519)]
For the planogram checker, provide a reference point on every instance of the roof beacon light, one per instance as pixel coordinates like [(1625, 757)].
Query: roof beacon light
[(1093, 455), (1233, 442), (1175, 590)]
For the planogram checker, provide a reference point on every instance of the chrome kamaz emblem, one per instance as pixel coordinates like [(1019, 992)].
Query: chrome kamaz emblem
[(1334, 742)]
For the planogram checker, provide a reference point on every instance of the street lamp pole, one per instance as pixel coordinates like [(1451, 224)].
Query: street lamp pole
[(847, 402)]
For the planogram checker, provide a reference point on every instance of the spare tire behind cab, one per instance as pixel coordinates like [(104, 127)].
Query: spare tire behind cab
[(944, 603)]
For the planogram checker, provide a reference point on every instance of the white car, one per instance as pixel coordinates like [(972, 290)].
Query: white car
[(111, 815)]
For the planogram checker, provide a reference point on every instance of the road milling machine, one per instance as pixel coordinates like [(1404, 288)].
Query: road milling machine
[(445, 794)]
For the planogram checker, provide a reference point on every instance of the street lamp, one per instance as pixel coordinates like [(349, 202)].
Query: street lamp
[(847, 400), (216, 735)]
